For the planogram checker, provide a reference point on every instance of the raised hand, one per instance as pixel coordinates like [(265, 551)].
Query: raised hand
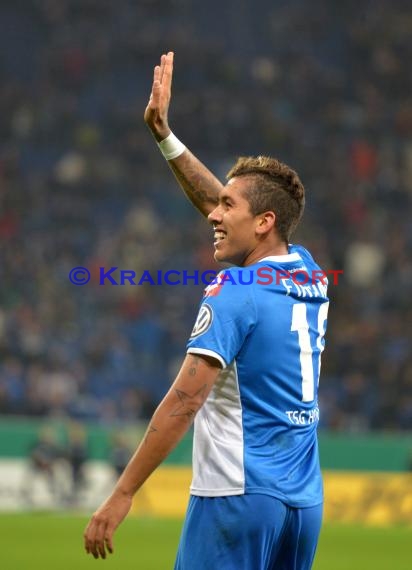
[(156, 112), (198, 183)]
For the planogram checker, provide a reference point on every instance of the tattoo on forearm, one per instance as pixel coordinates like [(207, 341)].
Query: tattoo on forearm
[(200, 187), (199, 190), (189, 403), (151, 429)]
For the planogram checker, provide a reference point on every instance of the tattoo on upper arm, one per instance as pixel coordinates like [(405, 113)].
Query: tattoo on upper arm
[(193, 368), (189, 403)]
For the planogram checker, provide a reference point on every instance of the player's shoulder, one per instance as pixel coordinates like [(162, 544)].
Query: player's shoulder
[(304, 254), (295, 248), (231, 285)]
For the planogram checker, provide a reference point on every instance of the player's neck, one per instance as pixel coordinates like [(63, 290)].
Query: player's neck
[(274, 249)]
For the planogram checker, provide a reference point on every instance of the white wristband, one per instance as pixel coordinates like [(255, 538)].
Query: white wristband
[(171, 147)]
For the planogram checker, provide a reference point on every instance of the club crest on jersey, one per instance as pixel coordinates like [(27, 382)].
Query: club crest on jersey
[(203, 321)]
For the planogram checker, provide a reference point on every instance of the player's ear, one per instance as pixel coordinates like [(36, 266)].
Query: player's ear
[(265, 222)]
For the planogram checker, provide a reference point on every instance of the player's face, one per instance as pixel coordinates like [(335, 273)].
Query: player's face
[(234, 226)]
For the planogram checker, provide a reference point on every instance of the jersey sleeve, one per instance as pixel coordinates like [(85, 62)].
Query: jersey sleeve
[(226, 316)]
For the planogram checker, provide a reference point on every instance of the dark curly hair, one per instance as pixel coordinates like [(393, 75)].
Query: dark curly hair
[(274, 187)]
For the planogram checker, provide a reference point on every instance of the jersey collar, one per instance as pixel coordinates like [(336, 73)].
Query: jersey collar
[(282, 258)]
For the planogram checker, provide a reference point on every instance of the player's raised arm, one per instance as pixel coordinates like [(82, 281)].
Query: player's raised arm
[(168, 425), (199, 184)]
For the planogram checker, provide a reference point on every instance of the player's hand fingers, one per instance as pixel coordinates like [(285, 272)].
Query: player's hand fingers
[(168, 72), (156, 111), (89, 537), (162, 66), (157, 74), (100, 542), (156, 82), (94, 538), (108, 538), (155, 94), (98, 546), (88, 533), (104, 536), (154, 100)]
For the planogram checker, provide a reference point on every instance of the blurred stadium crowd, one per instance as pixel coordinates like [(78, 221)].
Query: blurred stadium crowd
[(325, 86)]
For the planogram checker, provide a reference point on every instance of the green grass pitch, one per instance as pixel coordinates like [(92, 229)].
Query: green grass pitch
[(50, 541)]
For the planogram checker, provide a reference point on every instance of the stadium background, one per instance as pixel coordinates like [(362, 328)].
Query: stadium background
[(325, 86)]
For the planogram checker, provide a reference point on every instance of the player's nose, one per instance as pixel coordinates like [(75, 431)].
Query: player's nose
[(215, 216)]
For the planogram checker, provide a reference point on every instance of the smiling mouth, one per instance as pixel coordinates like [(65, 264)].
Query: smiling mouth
[(219, 236)]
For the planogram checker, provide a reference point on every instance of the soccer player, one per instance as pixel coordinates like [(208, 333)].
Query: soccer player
[(249, 379)]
